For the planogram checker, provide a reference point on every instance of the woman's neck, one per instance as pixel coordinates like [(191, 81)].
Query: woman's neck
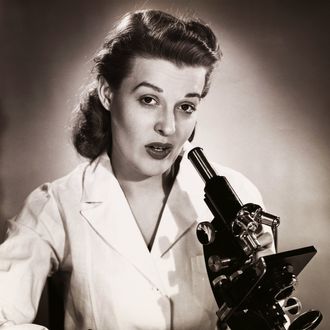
[(158, 185), (133, 184), (147, 198)]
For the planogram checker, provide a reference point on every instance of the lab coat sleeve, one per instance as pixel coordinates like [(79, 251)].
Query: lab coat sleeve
[(33, 250)]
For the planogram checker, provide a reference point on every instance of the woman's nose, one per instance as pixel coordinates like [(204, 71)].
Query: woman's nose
[(165, 124)]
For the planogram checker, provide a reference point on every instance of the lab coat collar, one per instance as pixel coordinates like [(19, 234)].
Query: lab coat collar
[(98, 179), (106, 209), (185, 207)]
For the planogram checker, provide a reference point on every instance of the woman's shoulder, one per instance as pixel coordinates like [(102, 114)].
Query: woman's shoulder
[(72, 185), (73, 179), (49, 193), (243, 186)]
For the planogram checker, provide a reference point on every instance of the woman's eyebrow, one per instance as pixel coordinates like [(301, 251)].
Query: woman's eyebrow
[(193, 95), (160, 90), (146, 84)]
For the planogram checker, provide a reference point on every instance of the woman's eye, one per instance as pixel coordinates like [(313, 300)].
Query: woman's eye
[(187, 108), (148, 100)]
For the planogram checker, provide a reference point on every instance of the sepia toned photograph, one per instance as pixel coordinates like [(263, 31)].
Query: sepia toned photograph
[(164, 165)]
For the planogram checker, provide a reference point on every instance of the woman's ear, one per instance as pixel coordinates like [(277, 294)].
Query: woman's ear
[(104, 92)]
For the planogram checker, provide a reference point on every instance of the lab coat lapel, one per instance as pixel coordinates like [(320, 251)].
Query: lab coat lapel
[(184, 209), (106, 209)]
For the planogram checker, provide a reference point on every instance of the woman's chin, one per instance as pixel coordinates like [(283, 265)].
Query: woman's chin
[(156, 168)]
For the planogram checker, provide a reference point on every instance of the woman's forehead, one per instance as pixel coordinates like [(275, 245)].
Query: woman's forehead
[(165, 75)]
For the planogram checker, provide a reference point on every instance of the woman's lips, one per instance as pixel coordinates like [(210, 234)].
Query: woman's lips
[(159, 150)]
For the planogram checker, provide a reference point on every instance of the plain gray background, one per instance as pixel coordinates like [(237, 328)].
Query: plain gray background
[(267, 113)]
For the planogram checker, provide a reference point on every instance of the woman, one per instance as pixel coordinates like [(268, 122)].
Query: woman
[(122, 227)]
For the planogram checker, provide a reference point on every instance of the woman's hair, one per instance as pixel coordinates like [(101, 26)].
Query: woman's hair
[(149, 34)]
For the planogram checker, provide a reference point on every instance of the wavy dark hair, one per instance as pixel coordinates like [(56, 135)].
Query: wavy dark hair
[(146, 33)]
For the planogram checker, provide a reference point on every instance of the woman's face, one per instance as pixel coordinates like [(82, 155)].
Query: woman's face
[(153, 114)]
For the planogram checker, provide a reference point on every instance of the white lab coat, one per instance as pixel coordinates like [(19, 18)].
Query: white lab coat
[(82, 224)]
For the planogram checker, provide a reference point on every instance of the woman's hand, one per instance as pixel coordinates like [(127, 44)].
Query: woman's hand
[(265, 238)]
